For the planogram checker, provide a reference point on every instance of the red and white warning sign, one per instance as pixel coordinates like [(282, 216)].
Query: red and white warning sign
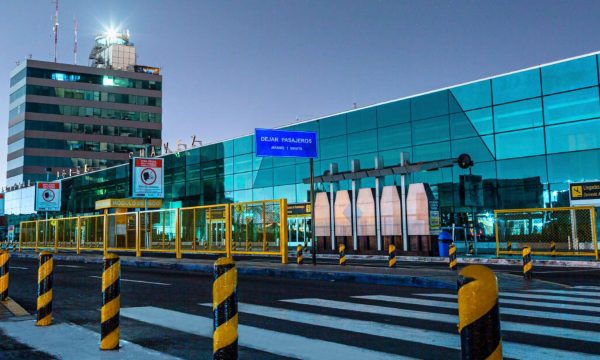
[(47, 196), (147, 178)]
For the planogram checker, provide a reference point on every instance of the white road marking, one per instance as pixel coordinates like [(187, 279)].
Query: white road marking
[(70, 266), (510, 349), (588, 287), (256, 338), (533, 313), (68, 341), (566, 292), (566, 333), (17, 267), (137, 281), (551, 297)]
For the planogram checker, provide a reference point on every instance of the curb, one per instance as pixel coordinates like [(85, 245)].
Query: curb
[(355, 277), (14, 308)]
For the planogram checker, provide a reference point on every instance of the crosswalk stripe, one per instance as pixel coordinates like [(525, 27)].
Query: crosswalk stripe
[(587, 287), (550, 297), (532, 313), (510, 349), (506, 325), (551, 305), (252, 337), (68, 341), (566, 292)]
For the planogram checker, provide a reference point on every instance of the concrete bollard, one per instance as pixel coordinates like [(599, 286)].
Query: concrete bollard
[(4, 257), (553, 248), (111, 303), (392, 255), (342, 251), (44, 289), (452, 263), (527, 265), (478, 314), (225, 310), (299, 254)]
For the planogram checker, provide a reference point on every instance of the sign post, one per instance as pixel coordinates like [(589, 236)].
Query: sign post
[(302, 144), (47, 198), (147, 182)]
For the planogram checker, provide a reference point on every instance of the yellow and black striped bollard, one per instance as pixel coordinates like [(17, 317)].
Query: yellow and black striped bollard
[(4, 256), (478, 314), (44, 293), (299, 254), (111, 303), (452, 257), (225, 310), (527, 265), (342, 251), (508, 246), (392, 255), (553, 248)]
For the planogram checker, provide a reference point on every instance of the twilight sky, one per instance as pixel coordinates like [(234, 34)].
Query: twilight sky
[(232, 66)]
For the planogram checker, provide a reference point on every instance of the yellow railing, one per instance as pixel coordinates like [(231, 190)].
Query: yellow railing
[(249, 228), (563, 231)]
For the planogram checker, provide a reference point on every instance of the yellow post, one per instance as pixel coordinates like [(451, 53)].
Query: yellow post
[(225, 343), (594, 235), (264, 225), (478, 314), (44, 293), (392, 255), (228, 245), (111, 303), (138, 237), (78, 236), (527, 265), (37, 235), (178, 233), (299, 255), (105, 234), (4, 257), (452, 257), (496, 229), (56, 236), (342, 252), (283, 230)]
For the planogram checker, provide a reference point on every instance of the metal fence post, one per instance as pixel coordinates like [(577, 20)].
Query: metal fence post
[(178, 234), (105, 234), (228, 232), (478, 314), (138, 236), (37, 235), (56, 236), (283, 233)]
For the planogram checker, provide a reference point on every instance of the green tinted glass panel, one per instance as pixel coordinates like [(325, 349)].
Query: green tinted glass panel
[(332, 126), (333, 147), (461, 126), (367, 161), (471, 96), (284, 175), (431, 130), (392, 157), (393, 113), (393, 137), (242, 163), (443, 175), (522, 168), (228, 165), (243, 145), (283, 161), (437, 151), (475, 147), (481, 120), (241, 196), (518, 115), (570, 75), (262, 194), (228, 182), (285, 191), (261, 162), (359, 143), (574, 166), (571, 106), (520, 143), (242, 181), (362, 120), (227, 148), (580, 135), (518, 86), (429, 105), (263, 178)]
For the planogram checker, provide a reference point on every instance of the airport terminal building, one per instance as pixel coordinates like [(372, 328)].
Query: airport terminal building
[(530, 133)]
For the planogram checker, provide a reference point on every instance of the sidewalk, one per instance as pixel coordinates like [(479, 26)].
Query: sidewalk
[(399, 276)]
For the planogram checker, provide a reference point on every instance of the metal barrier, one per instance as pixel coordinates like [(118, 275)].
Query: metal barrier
[(250, 228), (572, 230)]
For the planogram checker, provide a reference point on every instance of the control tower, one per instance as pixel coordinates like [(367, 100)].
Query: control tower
[(112, 50)]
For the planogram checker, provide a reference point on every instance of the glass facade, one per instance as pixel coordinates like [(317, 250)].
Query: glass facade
[(529, 133)]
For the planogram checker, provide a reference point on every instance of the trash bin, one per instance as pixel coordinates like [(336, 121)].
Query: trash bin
[(444, 242)]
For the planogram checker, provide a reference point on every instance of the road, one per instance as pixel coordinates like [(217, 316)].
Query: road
[(166, 314)]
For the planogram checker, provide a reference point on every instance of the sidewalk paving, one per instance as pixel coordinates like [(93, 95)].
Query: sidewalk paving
[(400, 276)]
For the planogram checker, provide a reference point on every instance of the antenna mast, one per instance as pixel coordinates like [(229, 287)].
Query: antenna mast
[(75, 43), (55, 30)]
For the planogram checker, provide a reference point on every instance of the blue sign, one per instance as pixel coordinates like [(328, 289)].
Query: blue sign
[(281, 143)]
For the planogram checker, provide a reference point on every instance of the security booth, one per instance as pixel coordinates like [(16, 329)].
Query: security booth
[(299, 230), (122, 221)]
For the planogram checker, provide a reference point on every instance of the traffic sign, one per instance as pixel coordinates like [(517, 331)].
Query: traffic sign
[(281, 143), (147, 178), (585, 193), (47, 196)]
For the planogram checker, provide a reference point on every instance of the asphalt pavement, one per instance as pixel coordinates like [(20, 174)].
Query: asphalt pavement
[(167, 314)]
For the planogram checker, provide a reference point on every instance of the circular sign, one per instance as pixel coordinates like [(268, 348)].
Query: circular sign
[(48, 195), (148, 176)]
